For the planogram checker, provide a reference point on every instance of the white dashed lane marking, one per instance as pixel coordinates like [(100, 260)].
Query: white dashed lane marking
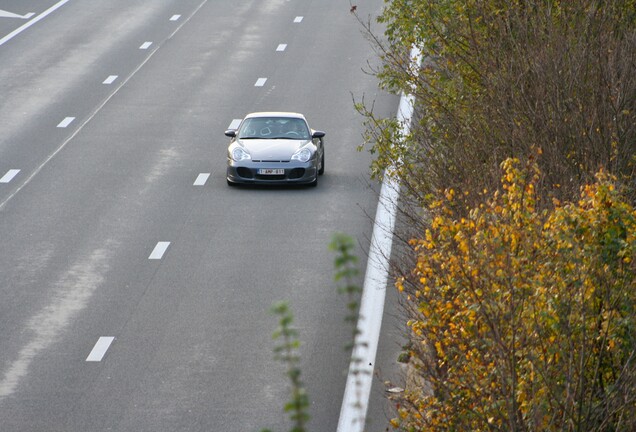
[(67, 121), (175, 17), (201, 179), (99, 350), (298, 19), (159, 250), (145, 45), (9, 175), (111, 79), (260, 82), (281, 47)]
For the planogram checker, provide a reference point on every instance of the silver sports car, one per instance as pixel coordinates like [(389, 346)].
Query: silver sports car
[(275, 148)]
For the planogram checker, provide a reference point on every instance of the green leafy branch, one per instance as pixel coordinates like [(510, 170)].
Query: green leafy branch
[(346, 271), (287, 352)]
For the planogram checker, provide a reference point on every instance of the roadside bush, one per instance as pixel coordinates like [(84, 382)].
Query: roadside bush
[(523, 319), (501, 79)]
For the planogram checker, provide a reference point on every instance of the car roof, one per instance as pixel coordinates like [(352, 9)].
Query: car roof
[(275, 114)]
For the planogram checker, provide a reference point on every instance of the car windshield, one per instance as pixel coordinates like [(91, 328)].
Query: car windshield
[(274, 128)]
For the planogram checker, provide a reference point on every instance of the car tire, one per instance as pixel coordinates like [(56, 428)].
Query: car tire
[(321, 171)]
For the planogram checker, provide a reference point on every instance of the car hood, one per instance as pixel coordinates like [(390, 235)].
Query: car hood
[(272, 149)]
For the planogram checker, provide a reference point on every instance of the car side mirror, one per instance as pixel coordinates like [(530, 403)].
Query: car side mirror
[(230, 133), (318, 134)]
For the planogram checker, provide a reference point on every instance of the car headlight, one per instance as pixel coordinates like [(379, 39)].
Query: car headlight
[(302, 155), (238, 154)]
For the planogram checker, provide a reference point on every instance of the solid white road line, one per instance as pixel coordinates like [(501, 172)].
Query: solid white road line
[(111, 79), (67, 121), (260, 82), (235, 124), (355, 401), (201, 179), (145, 45), (9, 175), (159, 250), (175, 17), (281, 47), (99, 350), (298, 19), (26, 25), (7, 14)]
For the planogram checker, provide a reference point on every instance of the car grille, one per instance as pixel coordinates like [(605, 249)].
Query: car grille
[(270, 177), (270, 161)]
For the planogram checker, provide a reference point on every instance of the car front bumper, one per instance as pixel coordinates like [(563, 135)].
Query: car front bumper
[(294, 172)]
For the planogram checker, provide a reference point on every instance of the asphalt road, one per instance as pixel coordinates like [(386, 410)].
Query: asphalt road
[(134, 283)]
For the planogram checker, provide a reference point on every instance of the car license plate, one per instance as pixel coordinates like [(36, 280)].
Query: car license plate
[(271, 171)]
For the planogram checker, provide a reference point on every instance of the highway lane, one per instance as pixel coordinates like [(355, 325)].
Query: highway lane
[(50, 75), (16, 16), (191, 348)]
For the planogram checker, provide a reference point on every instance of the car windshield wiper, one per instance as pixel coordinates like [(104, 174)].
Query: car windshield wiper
[(250, 137)]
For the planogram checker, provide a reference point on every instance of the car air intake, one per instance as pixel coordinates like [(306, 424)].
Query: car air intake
[(245, 172), (296, 173)]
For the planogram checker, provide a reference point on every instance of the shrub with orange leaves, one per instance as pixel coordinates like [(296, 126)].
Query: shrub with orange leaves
[(524, 320)]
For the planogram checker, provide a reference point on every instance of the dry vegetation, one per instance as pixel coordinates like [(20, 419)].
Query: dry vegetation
[(520, 284)]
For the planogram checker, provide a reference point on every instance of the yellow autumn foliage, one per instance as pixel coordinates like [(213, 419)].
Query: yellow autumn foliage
[(526, 320)]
